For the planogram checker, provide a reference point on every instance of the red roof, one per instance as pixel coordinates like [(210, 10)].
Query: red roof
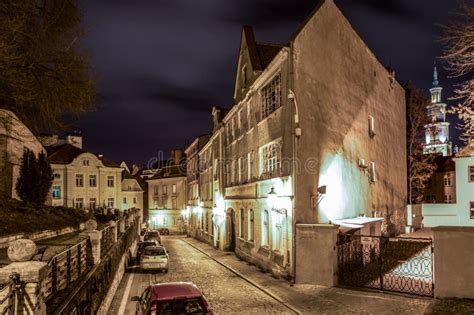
[(172, 290)]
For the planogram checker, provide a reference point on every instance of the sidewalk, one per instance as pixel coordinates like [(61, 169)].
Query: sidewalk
[(311, 299)]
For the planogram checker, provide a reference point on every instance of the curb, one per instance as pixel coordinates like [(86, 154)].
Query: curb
[(253, 283)]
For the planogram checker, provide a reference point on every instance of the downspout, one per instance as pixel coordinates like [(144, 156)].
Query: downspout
[(293, 169)]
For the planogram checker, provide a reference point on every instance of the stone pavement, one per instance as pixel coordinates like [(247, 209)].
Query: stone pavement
[(311, 299)]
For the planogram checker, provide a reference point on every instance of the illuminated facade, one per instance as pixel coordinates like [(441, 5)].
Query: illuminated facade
[(301, 144), (437, 132), (166, 194)]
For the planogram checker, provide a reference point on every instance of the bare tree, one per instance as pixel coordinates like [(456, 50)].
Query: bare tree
[(44, 77), (458, 41), (420, 166)]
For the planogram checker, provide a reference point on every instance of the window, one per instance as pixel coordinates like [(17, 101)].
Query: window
[(242, 223), (244, 77), (92, 180), (472, 209), (156, 190), (471, 173), (164, 190), (448, 199), (250, 165), (174, 203), (372, 176), (247, 121), (447, 180), (271, 97), (270, 157), (56, 192), (79, 180), (240, 169), (207, 222), (110, 202), (79, 203), (92, 203), (124, 200), (173, 188), (265, 229), (134, 200), (85, 162), (239, 123), (251, 226), (110, 181)]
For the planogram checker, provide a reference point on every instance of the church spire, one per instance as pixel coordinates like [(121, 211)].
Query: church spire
[(435, 76)]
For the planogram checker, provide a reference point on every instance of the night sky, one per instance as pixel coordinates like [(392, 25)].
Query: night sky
[(162, 65)]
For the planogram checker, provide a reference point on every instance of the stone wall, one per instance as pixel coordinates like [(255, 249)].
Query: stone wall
[(453, 259)]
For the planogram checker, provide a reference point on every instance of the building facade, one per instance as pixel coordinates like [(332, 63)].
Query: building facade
[(86, 180), (442, 186), (461, 211), (15, 138), (437, 132), (167, 194), (301, 143)]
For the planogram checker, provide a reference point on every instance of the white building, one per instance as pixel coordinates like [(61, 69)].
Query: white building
[(460, 213), (86, 180)]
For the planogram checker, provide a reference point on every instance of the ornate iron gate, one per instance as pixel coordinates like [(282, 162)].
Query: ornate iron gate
[(392, 264)]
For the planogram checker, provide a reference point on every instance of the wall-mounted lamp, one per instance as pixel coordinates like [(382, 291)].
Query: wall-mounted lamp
[(318, 197), (292, 97), (272, 197)]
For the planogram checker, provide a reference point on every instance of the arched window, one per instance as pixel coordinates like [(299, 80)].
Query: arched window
[(242, 222), (251, 226), (265, 229)]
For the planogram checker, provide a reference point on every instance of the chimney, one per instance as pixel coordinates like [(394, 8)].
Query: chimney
[(74, 138), (176, 155)]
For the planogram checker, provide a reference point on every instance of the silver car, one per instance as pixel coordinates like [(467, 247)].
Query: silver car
[(154, 258)]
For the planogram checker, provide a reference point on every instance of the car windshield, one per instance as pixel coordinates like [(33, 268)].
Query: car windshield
[(145, 244), (185, 306), (153, 234), (154, 251)]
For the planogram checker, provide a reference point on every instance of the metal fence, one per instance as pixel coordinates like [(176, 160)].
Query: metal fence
[(9, 295), (67, 267), (392, 264), (107, 240)]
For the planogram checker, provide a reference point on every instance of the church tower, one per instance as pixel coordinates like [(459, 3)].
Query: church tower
[(437, 132)]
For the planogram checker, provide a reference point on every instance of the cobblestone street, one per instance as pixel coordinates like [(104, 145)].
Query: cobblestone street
[(238, 287), (225, 291)]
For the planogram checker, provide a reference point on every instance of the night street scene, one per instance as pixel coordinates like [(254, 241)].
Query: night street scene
[(236, 157)]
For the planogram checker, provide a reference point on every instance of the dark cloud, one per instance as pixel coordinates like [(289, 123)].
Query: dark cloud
[(164, 64)]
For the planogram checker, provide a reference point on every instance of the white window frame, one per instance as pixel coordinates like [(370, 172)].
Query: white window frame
[(270, 156), (251, 225), (56, 188), (470, 177), (79, 180), (110, 203), (93, 180), (270, 97), (110, 181)]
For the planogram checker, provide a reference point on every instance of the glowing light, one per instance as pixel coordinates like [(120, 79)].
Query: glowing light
[(272, 197), (428, 138)]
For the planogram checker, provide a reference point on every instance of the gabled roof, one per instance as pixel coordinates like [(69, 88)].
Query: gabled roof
[(66, 153), (260, 54)]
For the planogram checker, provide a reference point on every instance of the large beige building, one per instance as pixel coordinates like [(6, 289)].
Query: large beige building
[(167, 194), (86, 180), (15, 137), (316, 136)]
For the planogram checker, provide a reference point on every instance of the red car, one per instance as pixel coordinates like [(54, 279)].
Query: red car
[(171, 298)]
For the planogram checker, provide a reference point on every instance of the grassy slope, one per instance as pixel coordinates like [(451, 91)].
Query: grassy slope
[(16, 218)]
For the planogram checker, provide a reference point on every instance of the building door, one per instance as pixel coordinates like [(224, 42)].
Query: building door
[(230, 229)]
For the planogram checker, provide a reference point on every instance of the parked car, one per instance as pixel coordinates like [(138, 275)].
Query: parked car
[(141, 247), (154, 258), (172, 298), (152, 235), (164, 231)]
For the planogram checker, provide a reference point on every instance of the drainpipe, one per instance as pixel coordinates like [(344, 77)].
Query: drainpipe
[(293, 181)]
